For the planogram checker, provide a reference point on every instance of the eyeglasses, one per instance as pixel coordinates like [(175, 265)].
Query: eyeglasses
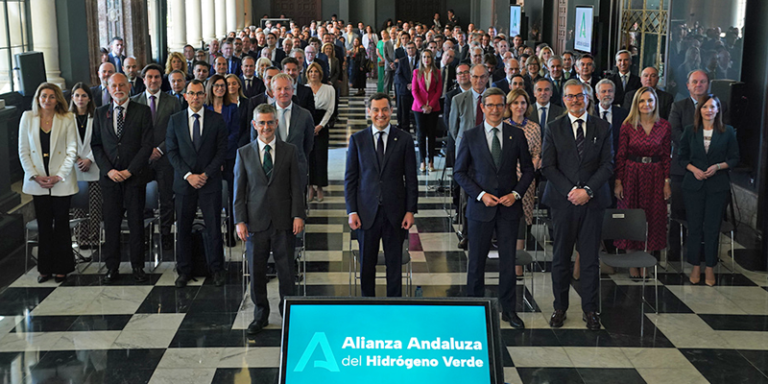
[(578, 96), (497, 106), (196, 94)]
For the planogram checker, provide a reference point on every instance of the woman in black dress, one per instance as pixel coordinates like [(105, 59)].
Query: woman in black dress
[(360, 60)]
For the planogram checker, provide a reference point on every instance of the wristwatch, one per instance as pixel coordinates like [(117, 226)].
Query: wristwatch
[(589, 191), (517, 195)]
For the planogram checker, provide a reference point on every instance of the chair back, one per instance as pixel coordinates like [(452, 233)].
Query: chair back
[(152, 200), (80, 199), (625, 224), (225, 194)]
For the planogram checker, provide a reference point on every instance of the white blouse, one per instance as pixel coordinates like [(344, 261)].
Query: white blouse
[(325, 99)]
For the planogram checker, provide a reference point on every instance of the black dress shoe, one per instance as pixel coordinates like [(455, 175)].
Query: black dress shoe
[(43, 278), (464, 243), (60, 279), (256, 326), (139, 275), (111, 276), (557, 319), (181, 281), (219, 278), (593, 321), (514, 320)]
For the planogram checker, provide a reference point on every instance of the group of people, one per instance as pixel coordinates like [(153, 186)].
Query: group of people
[(519, 119)]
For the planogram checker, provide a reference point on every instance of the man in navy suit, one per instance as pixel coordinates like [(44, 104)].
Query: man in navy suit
[(381, 194), (623, 80), (252, 85), (233, 63), (511, 68), (304, 94), (100, 92), (577, 162), (196, 142), (606, 110), (403, 79), (116, 56), (486, 169)]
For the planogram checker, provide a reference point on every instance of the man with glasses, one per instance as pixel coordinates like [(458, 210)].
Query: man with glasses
[(577, 161), (494, 193), (196, 143), (511, 68)]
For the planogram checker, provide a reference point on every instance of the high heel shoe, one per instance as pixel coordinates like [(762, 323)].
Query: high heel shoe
[(710, 281), (695, 277)]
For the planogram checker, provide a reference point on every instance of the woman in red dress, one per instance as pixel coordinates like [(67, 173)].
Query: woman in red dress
[(642, 170)]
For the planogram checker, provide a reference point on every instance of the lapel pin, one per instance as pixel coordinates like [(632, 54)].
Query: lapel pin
[(395, 138), (510, 137)]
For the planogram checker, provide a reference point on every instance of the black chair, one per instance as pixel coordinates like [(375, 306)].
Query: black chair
[(354, 272)]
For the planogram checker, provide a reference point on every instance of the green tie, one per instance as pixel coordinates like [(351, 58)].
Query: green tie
[(267, 163), (496, 147)]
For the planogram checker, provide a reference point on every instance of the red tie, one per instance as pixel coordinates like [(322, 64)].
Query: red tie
[(479, 112)]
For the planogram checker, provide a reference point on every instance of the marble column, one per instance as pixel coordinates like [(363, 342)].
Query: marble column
[(45, 37), (248, 11), (221, 20), (194, 23), (240, 9), (178, 25), (231, 16), (209, 21)]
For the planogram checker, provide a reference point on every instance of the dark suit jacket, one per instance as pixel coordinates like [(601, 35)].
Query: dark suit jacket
[(404, 76), (553, 113), (449, 79), (502, 84), (97, 95), (394, 182), (118, 66), (257, 86), (138, 86), (447, 103), (557, 91), (618, 115), (462, 53), (182, 101), (279, 56), (186, 159), (564, 169), (664, 103), (166, 106), (247, 133), (633, 84), (476, 172), (234, 66), (680, 116), (261, 202), (722, 148), (130, 152), (306, 98)]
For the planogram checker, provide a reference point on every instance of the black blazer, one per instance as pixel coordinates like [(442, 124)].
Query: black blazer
[(447, 103), (564, 169), (166, 106), (664, 103), (722, 148), (305, 97), (476, 171), (633, 84), (96, 91), (394, 182), (113, 59), (257, 86), (182, 100), (404, 76), (138, 86), (185, 158), (680, 116), (247, 133), (130, 152), (618, 115), (502, 84)]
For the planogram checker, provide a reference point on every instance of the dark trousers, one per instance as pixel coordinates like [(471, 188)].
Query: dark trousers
[(186, 209), (163, 172), (229, 176), (404, 105), (259, 244), (480, 235), (392, 238), (677, 208), (54, 248), (119, 198), (570, 224), (426, 124), (705, 215)]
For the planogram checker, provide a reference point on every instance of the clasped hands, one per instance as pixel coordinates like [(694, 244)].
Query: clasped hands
[(119, 176), (47, 182), (242, 229), (703, 175), (578, 196), (197, 181), (492, 201)]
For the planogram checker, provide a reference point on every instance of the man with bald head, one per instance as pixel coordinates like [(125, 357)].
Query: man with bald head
[(511, 68), (220, 66), (100, 92), (122, 143), (132, 72), (650, 78)]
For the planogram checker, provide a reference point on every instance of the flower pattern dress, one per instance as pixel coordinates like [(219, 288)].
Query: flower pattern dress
[(533, 136)]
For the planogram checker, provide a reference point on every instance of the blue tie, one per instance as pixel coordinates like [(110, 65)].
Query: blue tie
[(196, 132), (380, 148), (543, 120)]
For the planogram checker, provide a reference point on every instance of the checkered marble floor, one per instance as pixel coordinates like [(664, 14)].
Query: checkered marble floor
[(85, 332)]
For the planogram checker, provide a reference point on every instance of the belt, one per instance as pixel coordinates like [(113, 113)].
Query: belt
[(644, 159)]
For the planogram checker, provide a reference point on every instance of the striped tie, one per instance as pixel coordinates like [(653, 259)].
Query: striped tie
[(580, 137)]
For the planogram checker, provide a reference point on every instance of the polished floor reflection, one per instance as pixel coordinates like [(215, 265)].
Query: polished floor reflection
[(85, 332)]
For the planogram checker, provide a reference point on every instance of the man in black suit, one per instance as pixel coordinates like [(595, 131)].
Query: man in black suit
[(116, 56), (462, 48), (268, 209), (543, 110), (577, 162), (189, 56), (276, 54), (162, 106), (247, 134), (606, 110), (381, 194), (624, 81), (494, 193), (196, 142), (569, 67), (302, 92), (233, 63), (132, 72), (178, 82), (100, 92), (447, 66), (403, 79), (252, 85), (122, 144), (586, 70), (650, 78), (501, 48), (511, 68), (556, 78)]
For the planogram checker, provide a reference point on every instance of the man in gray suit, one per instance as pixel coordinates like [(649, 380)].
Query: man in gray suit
[(269, 209), (389, 64), (162, 106)]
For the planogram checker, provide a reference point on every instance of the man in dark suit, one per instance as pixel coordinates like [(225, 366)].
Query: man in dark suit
[(403, 79), (247, 134), (606, 110), (650, 78), (178, 83), (569, 65), (295, 124), (100, 92), (624, 81), (116, 56), (162, 106), (511, 68), (233, 63), (543, 109), (462, 48), (276, 54), (577, 162), (494, 193), (252, 85), (586, 70), (131, 70), (302, 92), (122, 144), (381, 194), (556, 78), (501, 48), (268, 209), (196, 142), (447, 67)]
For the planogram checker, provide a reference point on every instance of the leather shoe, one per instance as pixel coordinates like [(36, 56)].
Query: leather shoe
[(181, 281), (514, 320), (60, 279), (43, 278), (256, 326), (464, 243), (593, 321), (557, 319), (139, 275), (219, 278), (112, 276)]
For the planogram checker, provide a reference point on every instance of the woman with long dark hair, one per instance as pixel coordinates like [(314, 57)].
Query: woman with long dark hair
[(82, 106), (426, 89)]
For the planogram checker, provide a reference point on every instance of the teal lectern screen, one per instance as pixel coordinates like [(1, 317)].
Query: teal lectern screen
[(352, 341)]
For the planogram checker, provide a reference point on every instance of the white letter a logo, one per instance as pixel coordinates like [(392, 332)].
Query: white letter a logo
[(330, 361)]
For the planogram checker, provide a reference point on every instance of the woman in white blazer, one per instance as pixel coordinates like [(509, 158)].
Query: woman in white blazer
[(83, 108), (47, 151)]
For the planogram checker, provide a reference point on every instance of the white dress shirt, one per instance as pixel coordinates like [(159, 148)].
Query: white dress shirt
[(609, 116), (262, 149), (540, 110), (575, 126)]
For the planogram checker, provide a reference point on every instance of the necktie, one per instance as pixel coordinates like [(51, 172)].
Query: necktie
[(543, 119), (247, 85), (623, 81), (178, 96), (282, 127), (230, 67), (196, 131), (580, 137), (266, 164), (120, 122), (605, 116), (104, 96), (479, 112), (380, 147), (152, 106), (496, 147)]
